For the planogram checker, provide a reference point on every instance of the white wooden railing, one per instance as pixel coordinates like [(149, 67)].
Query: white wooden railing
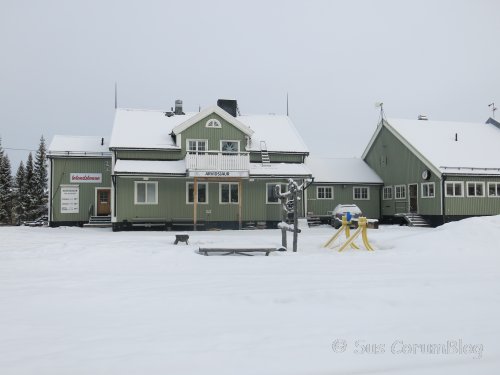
[(218, 161)]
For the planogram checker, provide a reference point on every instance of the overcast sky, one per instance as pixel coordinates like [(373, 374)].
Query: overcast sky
[(60, 60)]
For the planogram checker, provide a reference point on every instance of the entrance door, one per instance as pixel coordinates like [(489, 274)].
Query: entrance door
[(103, 202), (413, 196)]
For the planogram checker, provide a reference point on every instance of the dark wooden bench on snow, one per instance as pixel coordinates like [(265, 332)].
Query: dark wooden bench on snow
[(239, 250), (181, 237)]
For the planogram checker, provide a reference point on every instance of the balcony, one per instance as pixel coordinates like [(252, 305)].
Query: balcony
[(218, 164)]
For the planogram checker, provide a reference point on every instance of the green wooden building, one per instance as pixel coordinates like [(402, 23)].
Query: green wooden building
[(342, 181), (440, 171), (79, 179)]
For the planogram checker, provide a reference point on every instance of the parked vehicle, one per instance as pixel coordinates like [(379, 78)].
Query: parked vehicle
[(350, 210), (40, 222)]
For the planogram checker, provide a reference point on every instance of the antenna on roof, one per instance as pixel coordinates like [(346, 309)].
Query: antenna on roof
[(287, 104), (116, 95), (493, 108), (381, 106)]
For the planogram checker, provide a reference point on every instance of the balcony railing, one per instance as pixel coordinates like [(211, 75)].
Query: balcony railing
[(218, 161)]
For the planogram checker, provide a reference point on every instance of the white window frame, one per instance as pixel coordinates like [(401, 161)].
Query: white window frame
[(453, 183), (422, 189), (146, 193), (199, 183), (497, 188), (402, 188), (326, 188), (220, 192), (229, 140), (475, 183), (197, 146), (388, 188), (213, 124), (283, 184), (361, 188)]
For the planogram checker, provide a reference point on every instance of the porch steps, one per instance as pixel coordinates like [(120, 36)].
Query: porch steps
[(415, 220), (98, 222), (264, 154)]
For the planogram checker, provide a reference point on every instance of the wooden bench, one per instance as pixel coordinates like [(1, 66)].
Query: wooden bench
[(181, 237), (239, 250)]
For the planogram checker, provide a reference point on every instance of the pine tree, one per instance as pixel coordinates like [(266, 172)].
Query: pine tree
[(6, 194), (30, 211), (40, 179), (20, 192)]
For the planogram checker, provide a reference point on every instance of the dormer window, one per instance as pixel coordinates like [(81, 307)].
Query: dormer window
[(213, 123)]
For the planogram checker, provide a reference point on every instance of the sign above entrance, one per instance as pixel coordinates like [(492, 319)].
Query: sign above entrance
[(85, 178), (218, 173)]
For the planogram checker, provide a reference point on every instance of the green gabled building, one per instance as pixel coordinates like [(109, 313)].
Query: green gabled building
[(209, 169), (441, 171)]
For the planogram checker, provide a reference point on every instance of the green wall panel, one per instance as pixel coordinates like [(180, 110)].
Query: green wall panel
[(472, 205), (61, 170), (343, 194), (172, 202), (148, 155)]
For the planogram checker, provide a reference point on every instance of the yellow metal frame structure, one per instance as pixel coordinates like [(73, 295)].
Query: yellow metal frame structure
[(361, 230)]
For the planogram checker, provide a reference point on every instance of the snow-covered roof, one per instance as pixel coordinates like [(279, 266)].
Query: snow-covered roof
[(169, 167), (279, 170), (277, 131), (146, 129), (341, 170), (452, 147), (151, 129), (76, 145)]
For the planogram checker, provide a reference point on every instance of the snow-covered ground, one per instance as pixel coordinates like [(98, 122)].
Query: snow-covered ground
[(89, 301)]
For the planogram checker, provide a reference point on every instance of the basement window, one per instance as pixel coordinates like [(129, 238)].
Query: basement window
[(428, 190), (454, 189), (475, 189), (494, 189)]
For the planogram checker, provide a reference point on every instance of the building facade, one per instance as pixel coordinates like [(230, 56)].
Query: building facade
[(443, 171)]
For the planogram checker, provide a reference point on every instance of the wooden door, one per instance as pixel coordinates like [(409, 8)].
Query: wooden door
[(413, 196), (103, 202)]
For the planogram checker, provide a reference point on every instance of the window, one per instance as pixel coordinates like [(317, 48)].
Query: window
[(475, 189), (197, 146), (428, 190), (271, 196), (146, 192), (387, 193), (202, 192), (494, 189), (213, 123), (229, 146), (400, 191), (228, 193), (360, 193), (324, 192), (454, 189)]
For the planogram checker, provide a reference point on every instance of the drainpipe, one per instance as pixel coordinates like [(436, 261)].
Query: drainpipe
[(443, 194)]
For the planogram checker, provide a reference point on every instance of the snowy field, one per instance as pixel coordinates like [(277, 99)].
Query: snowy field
[(89, 301)]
